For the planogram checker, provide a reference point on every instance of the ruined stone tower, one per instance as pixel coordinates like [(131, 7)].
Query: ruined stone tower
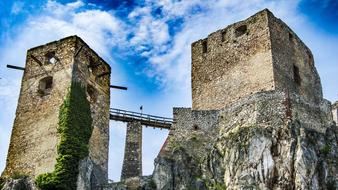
[(49, 73), (258, 54)]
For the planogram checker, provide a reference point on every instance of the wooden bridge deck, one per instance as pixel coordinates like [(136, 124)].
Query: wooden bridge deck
[(145, 119)]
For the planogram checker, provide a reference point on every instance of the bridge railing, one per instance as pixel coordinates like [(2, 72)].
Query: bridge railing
[(140, 116)]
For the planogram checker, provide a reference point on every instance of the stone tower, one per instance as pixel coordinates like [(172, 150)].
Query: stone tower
[(132, 163), (258, 54), (49, 72)]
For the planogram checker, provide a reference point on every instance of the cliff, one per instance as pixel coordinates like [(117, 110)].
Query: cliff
[(251, 144)]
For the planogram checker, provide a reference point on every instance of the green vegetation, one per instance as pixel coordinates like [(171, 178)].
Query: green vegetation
[(240, 136), (2, 183), (331, 183), (17, 175), (215, 185), (152, 184), (218, 186), (326, 149), (175, 146), (75, 129)]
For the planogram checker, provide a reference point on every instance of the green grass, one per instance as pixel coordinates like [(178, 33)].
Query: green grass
[(75, 129)]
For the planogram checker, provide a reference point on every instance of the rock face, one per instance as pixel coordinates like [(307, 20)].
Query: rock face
[(251, 144), (19, 184)]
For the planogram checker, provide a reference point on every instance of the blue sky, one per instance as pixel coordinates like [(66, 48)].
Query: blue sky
[(147, 43)]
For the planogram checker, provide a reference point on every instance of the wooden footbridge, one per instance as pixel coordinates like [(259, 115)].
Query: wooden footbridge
[(144, 119)]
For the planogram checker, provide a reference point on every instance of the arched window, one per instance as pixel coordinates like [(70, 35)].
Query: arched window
[(50, 58), (45, 85)]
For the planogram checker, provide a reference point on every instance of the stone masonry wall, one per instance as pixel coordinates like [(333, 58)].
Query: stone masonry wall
[(228, 69), (34, 138), (132, 162), (288, 52), (88, 68)]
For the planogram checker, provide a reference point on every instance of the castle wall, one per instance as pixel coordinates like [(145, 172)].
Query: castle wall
[(229, 67), (288, 52), (187, 120), (34, 136)]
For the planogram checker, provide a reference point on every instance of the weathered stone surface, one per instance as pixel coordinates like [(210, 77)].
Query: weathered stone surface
[(34, 140), (85, 174), (250, 144), (132, 162), (20, 184), (260, 53)]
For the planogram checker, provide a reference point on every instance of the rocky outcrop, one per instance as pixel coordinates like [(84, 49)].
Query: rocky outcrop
[(23, 183), (264, 141), (85, 172)]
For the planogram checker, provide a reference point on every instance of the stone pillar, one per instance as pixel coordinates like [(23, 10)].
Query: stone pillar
[(335, 112), (132, 163)]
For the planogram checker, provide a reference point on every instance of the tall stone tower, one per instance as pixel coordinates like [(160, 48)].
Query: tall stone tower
[(49, 73), (258, 54), (132, 163)]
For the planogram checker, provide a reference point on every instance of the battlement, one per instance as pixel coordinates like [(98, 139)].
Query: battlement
[(258, 54)]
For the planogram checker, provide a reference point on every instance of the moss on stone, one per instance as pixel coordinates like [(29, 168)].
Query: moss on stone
[(152, 184), (17, 175), (214, 185), (326, 149), (331, 183), (75, 129), (240, 135), (2, 182)]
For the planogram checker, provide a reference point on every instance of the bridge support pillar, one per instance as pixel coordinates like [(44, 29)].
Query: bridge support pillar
[(132, 163)]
